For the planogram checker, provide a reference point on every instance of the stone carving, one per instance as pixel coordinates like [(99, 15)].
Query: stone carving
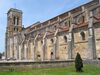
[(97, 12), (80, 19)]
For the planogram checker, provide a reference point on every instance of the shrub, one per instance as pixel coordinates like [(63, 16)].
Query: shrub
[(78, 63)]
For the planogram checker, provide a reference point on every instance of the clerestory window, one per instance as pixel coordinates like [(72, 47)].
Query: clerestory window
[(82, 35), (65, 38)]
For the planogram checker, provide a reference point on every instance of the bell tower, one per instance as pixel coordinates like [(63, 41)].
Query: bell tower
[(14, 26), (14, 21)]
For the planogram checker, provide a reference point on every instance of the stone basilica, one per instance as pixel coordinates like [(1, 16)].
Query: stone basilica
[(58, 38)]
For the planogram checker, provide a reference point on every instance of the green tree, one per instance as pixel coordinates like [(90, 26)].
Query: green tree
[(78, 63), (0, 55)]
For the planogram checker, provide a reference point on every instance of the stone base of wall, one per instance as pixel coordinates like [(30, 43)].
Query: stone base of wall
[(6, 65), (94, 62)]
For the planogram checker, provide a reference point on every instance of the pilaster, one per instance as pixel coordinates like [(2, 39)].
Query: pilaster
[(91, 38)]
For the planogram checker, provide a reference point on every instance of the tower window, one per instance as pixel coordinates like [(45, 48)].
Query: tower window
[(14, 20), (82, 35), (17, 21), (65, 38), (15, 29)]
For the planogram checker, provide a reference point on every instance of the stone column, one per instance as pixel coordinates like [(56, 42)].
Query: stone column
[(11, 49), (70, 45), (15, 47), (91, 38), (35, 46), (55, 50), (32, 51), (55, 47), (25, 51), (19, 52), (28, 49), (99, 2), (44, 46), (8, 48), (70, 42), (43, 50), (15, 52)]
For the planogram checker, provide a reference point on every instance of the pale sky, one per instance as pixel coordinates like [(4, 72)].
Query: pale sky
[(33, 11)]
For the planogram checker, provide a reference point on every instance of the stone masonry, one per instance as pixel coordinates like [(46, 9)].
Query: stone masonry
[(59, 38)]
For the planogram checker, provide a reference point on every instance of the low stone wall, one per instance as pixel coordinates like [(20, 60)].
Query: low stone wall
[(95, 62), (7, 65), (30, 64)]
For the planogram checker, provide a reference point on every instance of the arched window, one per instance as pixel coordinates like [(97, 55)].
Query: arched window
[(14, 29), (17, 29), (52, 40), (38, 55), (69, 23), (82, 35), (41, 42), (14, 20), (65, 38), (51, 53), (17, 21)]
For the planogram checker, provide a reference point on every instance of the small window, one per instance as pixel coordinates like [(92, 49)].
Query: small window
[(82, 35), (66, 23), (17, 29), (38, 56), (69, 23), (52, 40), (65, 38), (65, 47), (14, 20), (14, 29), (55, 27), (51, 53), (41, 42), (17, 21)]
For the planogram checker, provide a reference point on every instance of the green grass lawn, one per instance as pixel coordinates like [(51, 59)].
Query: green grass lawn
[(70, 70)]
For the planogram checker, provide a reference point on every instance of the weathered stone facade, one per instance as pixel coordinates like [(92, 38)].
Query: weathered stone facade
[(59, 38)]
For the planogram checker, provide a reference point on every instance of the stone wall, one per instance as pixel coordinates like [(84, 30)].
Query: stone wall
[(63, 48), (10, 65), (97, 36), (59, 45), (81, 43), (6, 65)]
